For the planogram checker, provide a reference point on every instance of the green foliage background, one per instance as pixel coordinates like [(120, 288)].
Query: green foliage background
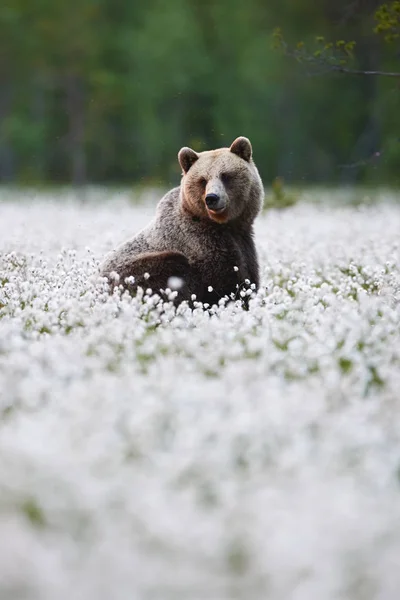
[(109, 90)]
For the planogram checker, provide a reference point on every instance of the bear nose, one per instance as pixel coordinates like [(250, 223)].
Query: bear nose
[(212, 201)]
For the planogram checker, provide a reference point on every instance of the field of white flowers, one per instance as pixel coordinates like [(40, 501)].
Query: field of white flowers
[(154, 454)]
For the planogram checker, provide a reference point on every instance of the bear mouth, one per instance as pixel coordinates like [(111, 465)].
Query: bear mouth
[(220, 216), (217, 211)]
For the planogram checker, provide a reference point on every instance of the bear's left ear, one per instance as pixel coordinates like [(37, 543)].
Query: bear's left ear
[(187, 157), (242, 147)]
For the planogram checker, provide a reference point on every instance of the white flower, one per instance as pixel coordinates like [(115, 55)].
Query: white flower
[(133, 407), (175, 283)]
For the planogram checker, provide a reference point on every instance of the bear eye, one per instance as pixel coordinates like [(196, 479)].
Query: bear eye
[(227, 177), (203, 182)]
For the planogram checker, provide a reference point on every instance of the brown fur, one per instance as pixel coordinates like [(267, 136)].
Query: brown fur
[(205, 248)]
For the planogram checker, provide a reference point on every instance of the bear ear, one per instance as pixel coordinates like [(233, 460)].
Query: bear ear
[(242, 147), (187, 157)]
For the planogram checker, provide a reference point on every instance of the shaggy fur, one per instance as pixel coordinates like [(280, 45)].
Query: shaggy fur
[(211, 251)]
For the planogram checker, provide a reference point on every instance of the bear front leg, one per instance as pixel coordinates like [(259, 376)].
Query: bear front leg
[(157, 271)]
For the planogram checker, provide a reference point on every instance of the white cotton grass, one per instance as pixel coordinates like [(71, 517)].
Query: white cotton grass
[(175, 283), (154, 452)]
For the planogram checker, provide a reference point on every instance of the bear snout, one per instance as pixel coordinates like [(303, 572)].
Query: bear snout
[(215, 203)]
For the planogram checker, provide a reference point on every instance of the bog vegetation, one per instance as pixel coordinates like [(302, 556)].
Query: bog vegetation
[(158, 453)]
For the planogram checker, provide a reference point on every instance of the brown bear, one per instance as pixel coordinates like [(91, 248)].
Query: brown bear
[(202, 233)]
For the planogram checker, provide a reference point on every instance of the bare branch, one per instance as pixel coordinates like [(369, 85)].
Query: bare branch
[(325, 66), (327, 60), (342, 69)]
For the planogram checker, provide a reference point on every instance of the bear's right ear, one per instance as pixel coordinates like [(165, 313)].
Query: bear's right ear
[(187, 157)]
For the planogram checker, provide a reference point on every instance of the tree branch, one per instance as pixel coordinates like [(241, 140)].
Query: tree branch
[(342, 69), (325, 61), (327, 66)]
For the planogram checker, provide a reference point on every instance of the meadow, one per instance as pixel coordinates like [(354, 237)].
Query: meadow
[(154, 453)]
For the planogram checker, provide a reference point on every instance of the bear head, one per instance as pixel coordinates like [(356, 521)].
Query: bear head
[(221, 185)]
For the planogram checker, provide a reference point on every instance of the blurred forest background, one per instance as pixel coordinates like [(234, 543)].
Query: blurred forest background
[(108, 91)]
